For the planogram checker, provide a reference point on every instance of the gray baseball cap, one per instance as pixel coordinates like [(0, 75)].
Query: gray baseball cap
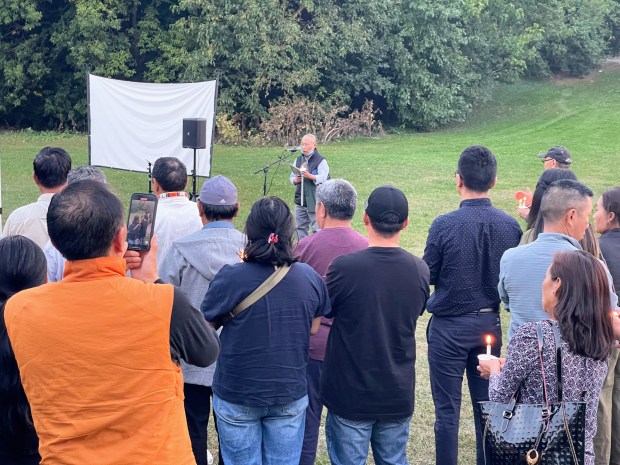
[(218, 191)]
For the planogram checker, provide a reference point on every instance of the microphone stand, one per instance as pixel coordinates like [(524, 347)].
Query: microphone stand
[(150, 177), (265, 169)]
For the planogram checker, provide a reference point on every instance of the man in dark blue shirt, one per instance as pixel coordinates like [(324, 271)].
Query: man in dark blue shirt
[(463, 251)]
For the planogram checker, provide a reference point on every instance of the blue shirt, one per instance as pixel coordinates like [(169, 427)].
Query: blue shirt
[(219, 224), (264, 349), (522, 272), (463, 251)]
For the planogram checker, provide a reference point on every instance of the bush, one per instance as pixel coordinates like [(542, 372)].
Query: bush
[(290, 119)]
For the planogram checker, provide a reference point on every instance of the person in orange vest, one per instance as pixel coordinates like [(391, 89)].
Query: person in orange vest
[(98, 352)]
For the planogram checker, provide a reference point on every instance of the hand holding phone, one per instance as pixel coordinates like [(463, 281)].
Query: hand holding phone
[(146, 269), (141, 221)]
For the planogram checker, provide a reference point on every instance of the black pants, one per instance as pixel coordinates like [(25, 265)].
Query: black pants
[(453, 347), (313, 413), (197, 409)]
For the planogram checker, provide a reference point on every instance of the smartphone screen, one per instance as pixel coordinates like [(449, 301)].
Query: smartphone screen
[(141, 221)]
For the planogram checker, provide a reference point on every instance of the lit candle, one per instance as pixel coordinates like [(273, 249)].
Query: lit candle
[(488, 339)]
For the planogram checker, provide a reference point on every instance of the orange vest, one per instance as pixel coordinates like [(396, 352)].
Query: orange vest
[(93, 352)]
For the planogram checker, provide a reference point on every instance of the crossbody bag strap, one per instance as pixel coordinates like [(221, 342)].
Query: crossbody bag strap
[(266, 286)]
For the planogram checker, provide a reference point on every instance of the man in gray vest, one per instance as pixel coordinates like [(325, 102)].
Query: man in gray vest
[(312, 170), (191, 263)]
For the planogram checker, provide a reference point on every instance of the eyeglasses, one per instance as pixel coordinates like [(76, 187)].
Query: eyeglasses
[(545, 160)]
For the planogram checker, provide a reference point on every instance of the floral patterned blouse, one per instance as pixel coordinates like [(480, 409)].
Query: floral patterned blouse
[(522, 370)]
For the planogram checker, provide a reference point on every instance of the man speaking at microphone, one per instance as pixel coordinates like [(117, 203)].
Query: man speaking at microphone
[(311, 169)]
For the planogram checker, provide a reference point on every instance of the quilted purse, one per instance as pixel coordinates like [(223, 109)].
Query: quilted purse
[(544, 434)]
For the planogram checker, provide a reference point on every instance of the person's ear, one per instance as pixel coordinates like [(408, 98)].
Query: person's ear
[(365, 219), (405, 224), (557, 283), (458, 180), (200, 212), (320, 208), (493, 185), (237, 212), (119, 243)]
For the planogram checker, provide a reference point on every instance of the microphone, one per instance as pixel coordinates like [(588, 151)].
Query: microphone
[(295, 149)]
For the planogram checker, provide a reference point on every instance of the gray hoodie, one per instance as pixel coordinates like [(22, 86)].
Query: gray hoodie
[(191, 263)]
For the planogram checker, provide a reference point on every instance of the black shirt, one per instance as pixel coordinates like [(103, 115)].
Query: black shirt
[(610, 248), (377, 295), (463, 251)]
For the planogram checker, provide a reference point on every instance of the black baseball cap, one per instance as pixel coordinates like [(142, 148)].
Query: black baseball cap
[(558, 153), (388, 205)]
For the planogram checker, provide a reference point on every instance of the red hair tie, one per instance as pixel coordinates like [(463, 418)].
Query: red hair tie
[(273, 238)]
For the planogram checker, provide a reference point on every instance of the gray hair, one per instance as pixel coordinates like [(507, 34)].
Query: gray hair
[(561, 196), (339, 198), (82, 173)]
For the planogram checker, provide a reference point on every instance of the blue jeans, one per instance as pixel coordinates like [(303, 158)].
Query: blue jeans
[(347, 440), (260, 435)]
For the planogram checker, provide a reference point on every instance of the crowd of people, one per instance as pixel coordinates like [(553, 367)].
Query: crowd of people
[(121, 356)]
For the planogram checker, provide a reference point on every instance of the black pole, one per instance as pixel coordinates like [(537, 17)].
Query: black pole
[(88, 110), (150, 178), (194, 196)]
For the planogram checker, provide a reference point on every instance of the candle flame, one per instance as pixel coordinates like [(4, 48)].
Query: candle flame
[(488, 339), (615, 314)]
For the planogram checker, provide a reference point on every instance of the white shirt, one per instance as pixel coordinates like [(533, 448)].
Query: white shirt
[(55, 263), (176, 218), (30, 221)]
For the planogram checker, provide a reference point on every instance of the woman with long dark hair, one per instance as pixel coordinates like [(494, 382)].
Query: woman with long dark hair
[(607, 224), (259, 387), (576, 297), (547, 177), (22, 266)]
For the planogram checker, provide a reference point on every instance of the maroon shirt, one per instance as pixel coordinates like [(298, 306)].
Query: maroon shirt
[(318, 251)]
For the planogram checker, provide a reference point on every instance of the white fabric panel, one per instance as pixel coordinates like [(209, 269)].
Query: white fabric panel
[(132, 122)]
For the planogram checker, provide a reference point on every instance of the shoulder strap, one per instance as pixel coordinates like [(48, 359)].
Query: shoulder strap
[(267, 285), (539, 337), (558, 358)]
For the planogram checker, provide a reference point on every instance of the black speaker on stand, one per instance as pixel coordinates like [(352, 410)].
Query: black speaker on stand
[(194, 137)]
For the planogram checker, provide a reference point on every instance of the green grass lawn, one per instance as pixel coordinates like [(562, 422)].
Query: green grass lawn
[(521, 121)]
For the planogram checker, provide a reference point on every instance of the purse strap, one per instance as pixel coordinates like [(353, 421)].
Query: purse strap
[(539, 337), (266, 286), (558, 359)]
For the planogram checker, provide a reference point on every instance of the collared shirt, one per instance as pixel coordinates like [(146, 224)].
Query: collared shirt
[(322, 174), (219, 224), (522, 271), (176, 217), (30, 221), (463, 251)]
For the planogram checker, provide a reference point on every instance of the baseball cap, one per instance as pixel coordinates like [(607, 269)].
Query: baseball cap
[(558, 153), (387, 204), (218, 191)]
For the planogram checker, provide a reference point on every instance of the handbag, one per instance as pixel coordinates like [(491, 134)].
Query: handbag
[(543, 434), (267, 285)]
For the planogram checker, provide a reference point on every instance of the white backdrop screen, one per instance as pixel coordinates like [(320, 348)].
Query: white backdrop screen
[(133, 122)]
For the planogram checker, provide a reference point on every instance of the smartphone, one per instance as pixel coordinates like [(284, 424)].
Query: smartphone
[(141, 221)]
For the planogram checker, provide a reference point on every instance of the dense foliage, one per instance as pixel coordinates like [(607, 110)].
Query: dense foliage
[(423, 63)]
